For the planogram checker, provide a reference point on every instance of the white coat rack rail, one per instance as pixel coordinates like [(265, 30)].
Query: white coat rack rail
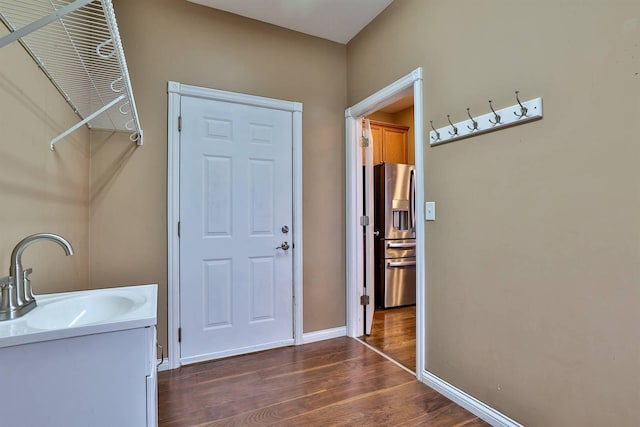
[(520, 113), (77, 45)]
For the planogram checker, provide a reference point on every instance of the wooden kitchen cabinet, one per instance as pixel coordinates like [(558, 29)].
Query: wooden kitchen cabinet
[(390, 143)]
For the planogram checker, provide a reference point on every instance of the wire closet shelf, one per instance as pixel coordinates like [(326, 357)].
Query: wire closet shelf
[(77, 45)]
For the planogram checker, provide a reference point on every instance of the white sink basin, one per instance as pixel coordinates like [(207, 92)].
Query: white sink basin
[(83, 310), (72, 314)]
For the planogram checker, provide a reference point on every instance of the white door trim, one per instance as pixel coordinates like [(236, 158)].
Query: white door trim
[(175, 91), (382, 98)]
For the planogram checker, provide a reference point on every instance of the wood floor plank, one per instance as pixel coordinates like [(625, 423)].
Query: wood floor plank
[(337, 382), (284, 411), (269, 392), (392, 405), (393, 332)]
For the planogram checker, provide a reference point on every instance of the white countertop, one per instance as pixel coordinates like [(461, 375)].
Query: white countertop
[(142, 314)]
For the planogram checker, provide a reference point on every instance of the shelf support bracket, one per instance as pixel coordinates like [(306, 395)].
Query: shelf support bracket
[(85, 120), (27, 29)]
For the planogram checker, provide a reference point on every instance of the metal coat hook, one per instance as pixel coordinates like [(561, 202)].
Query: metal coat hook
[(437, 138), (475, 123), (455, 129), (491, 121), (495, 115), (523, 109)]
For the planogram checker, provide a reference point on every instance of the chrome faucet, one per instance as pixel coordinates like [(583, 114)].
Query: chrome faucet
[(16, 295)]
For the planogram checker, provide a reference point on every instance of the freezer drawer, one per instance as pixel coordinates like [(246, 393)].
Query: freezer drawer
[(399, 282)]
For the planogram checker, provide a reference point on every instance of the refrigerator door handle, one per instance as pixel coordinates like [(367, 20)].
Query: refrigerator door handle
[(401, 263), (401, 245)]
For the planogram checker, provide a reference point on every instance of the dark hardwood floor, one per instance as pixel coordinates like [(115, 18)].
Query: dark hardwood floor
[(393, 332), (337, 382)]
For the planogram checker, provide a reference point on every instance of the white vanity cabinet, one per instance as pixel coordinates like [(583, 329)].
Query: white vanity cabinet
[(103, 376)]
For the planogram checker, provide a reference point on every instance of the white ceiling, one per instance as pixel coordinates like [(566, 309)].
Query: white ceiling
[(335, 20)]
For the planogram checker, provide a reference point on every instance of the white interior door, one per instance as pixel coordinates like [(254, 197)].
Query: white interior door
[(236, 292), (369, 262)]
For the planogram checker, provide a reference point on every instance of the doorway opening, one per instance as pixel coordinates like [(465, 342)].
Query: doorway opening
[(387, 315), (390, 317)]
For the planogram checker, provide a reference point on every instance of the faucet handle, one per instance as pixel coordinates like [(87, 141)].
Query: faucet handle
[(26, 282), (5, 281)]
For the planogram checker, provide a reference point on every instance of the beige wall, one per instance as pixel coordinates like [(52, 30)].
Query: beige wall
[(534, 260), (381, 116), (176, 40), (41, 190)]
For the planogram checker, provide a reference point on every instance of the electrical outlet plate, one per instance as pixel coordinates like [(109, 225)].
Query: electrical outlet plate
[(430, 211)]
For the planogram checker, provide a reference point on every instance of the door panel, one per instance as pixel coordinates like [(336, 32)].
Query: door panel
[(262, 289), (369, 265), (236, 288), (217, 174), (217, 279)]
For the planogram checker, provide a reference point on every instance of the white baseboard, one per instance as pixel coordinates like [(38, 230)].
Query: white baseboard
[(468, 402), (235, 352), (324, 334), (309, 337)]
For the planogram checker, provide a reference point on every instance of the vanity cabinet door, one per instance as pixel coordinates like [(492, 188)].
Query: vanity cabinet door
[(97, 380)]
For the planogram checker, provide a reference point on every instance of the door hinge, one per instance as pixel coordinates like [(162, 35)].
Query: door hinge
[(364, 142), (178, 228), (364, 300), (179, 334), (179, 123), (364, 220)]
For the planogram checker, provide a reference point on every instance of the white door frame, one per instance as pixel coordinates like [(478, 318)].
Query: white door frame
[(175, 91), (354, 114)]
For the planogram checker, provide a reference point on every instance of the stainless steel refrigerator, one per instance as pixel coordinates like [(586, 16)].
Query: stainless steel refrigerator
[(395, 238)]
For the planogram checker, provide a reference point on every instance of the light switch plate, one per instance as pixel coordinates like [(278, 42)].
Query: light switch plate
[(430, 211)]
